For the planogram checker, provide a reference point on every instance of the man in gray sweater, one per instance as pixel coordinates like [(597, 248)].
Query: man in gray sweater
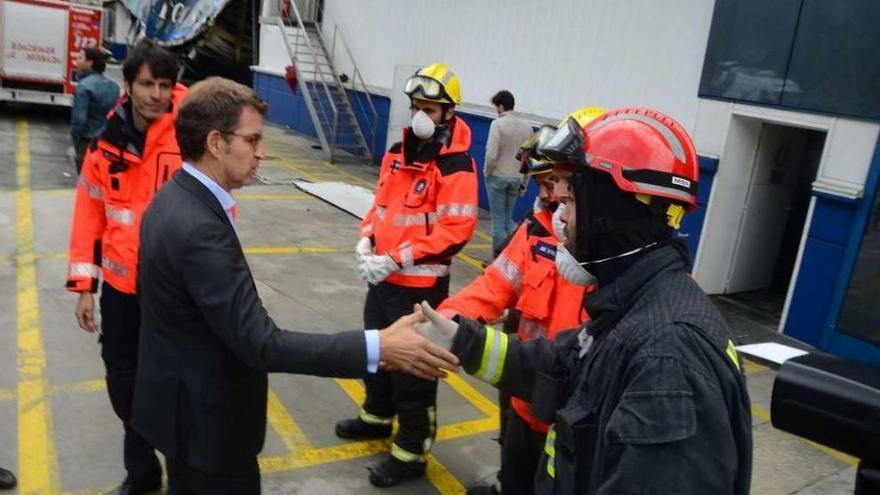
[(506, 135)]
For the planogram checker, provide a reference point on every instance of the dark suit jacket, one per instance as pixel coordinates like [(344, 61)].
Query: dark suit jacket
[(206, 341)]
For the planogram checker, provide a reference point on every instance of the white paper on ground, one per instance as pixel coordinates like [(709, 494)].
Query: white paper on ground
[(355, 200), (771, 351)]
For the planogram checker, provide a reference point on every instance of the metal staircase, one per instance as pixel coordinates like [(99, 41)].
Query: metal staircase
[(328, 100)]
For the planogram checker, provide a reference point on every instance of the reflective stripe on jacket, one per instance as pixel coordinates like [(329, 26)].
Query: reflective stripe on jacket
[(425, 207), (524, 276), (117, 183)]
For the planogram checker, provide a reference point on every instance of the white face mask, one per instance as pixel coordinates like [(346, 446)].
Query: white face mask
[(573, 271), (570, 269), (558, 224), (422, 125)]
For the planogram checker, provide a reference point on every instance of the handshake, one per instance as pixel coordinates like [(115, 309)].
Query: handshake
[(419, 344)]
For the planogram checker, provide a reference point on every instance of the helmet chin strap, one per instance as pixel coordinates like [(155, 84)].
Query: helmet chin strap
[(621, 255)]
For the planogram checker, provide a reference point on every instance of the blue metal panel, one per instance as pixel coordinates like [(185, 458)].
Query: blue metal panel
[(820, 266), (832, 339), (833, 219)]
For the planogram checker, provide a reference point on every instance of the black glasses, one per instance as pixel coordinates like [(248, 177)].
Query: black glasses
[(252, 139)]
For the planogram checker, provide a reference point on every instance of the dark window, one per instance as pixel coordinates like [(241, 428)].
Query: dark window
[(861, 314), (813, 55), (749, 45)]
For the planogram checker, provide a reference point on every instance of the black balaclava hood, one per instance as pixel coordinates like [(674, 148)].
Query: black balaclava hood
[(612, 222)]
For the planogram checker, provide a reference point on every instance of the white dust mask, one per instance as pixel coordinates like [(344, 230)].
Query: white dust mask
[(558, 224), (422, 125), (570, 269)]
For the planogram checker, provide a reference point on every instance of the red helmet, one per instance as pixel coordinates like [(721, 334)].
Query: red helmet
[(645, 152)]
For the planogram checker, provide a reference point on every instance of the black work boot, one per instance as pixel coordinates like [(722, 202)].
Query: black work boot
[(357, 429), (7, 479), (391, 472)]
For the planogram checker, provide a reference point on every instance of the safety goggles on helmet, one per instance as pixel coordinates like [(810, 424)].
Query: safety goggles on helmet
[(566, 144), (531, 163), (428, 87)]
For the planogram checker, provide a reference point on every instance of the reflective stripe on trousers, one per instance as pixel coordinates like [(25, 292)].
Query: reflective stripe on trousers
[(372, 419), (550, 450)]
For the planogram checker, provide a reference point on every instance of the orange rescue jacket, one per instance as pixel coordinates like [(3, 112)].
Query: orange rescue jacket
[(425, 207), (524, 276), (116, 184)]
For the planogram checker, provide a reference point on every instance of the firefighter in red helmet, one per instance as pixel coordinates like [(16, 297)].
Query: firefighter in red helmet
[(649, 396)]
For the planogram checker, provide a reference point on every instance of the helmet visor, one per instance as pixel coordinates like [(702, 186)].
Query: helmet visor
[(428, 87)]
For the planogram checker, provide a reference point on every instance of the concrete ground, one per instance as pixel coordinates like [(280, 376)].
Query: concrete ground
[(58, 432)]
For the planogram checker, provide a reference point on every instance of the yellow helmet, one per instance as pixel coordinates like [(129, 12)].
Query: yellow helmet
[(435, 83), (584, 116)]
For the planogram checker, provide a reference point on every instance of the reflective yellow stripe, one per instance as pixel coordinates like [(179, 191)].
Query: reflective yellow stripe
[(373, 419), (405, 455), (432, 425), (494, 354), (550, 450), (731, 353)]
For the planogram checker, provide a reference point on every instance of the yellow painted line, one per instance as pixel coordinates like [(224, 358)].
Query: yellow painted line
[(54, 192), (290, 166), (78, 387), (273, 197), (442, 479), (351, 175), (294, 250), (353, 388), (437, 474), (283, 424), (6, 394), (752, 367), (325, 455), (483, 235), (52, 256), (762, 413), (472, 395), (473, 262), (37, 459), (99, 491)]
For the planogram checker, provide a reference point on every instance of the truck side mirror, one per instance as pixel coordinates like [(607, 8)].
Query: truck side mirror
[(833, 402)]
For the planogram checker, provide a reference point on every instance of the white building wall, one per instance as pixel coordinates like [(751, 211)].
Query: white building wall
[(730, 132), (554, 56)]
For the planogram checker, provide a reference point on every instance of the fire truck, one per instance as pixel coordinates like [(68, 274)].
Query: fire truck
[(38, 42)]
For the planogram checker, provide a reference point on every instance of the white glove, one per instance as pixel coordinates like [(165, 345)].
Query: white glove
[(438, 329), (375, 268), (364, 247)]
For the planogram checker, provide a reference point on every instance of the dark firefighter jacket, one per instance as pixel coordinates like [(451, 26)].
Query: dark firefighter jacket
[(649, 397)]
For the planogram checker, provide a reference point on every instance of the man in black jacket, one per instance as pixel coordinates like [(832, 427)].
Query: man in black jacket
[(206, 340), (650, 395)]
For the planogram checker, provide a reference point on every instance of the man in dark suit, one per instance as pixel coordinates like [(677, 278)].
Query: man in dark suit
[(206, 340)]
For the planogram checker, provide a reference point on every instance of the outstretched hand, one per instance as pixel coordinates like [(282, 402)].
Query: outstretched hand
[(402, 348)]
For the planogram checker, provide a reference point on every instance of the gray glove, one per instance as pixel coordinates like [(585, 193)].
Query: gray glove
[(438, 329)]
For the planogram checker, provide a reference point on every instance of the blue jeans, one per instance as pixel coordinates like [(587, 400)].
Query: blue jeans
[(502, 196)]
